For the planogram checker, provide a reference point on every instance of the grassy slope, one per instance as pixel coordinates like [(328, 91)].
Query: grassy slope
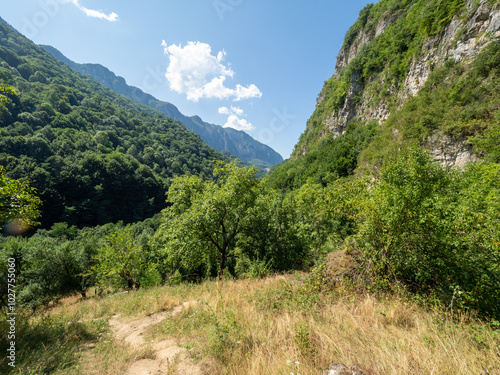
[(261, 327)]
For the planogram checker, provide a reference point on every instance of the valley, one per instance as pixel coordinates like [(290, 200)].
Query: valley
[(138, 240)]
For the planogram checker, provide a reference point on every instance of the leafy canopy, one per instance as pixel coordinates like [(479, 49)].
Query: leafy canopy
[(17, 201), (93, 155), (206, 216)]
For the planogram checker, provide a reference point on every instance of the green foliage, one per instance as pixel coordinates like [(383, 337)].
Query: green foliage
[(459, 101), (47, 268), (18, 202), (270, 239), (314, 220), (354, 30), (395, 48), (59, 262), (407, 211), (415, 225), (122, 261), (304, 341), (315, 224), (225, 333), (62, 230), (256, 269), (201, 226), (231, 222), (325, 161), (435, 231), (5, 92)]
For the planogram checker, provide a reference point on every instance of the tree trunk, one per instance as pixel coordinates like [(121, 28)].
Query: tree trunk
[(223, 261)]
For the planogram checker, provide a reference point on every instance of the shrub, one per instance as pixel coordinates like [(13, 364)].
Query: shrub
[(435, 231)]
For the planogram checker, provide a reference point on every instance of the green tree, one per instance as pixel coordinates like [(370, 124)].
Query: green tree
[(202, 225), (17, 201), (121, 261), (4, 92), (50, 269), (271, 236), (406, 224)]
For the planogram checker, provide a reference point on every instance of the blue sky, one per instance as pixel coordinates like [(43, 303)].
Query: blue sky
[(255, 65)]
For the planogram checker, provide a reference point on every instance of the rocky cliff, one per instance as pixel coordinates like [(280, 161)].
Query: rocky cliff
[(388, 56)]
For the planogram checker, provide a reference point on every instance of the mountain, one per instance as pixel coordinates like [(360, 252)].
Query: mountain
[(409, 72), (2, 21), (238, 143), (93, 155)]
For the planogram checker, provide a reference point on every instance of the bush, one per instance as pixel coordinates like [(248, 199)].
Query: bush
[(436, 231), (121, 262)]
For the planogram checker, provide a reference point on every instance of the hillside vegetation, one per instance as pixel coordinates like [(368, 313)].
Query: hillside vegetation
[(405, 213), (278, 325), (93, 156), (360, 249), (459, 99)]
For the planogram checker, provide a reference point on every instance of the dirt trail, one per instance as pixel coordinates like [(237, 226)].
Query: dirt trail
[(166, 358)]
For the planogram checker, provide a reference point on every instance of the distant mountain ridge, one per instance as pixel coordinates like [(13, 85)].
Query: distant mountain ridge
[(238, 143), (5, 23)]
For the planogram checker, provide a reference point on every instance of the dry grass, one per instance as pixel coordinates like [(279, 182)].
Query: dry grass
[(278, 326)]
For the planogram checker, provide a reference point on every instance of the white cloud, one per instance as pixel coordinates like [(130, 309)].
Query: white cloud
[(237, 123), (251, 91), (234, 110), (234, 119), (224, 110), (237, 111), (216, 89), (112, 17), (195, 72)]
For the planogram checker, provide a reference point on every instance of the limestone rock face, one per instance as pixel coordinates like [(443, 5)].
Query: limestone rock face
[(449, 152), (346, 55), (462, 40), (336, 123)]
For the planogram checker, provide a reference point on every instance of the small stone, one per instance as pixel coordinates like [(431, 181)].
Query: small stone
[(340, 369)]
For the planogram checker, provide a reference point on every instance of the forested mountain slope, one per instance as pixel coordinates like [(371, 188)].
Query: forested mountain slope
[(409, 72), (238, 143), (94, 156)]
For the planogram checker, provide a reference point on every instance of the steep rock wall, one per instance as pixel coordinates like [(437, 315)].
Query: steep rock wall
[(461, 40)]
